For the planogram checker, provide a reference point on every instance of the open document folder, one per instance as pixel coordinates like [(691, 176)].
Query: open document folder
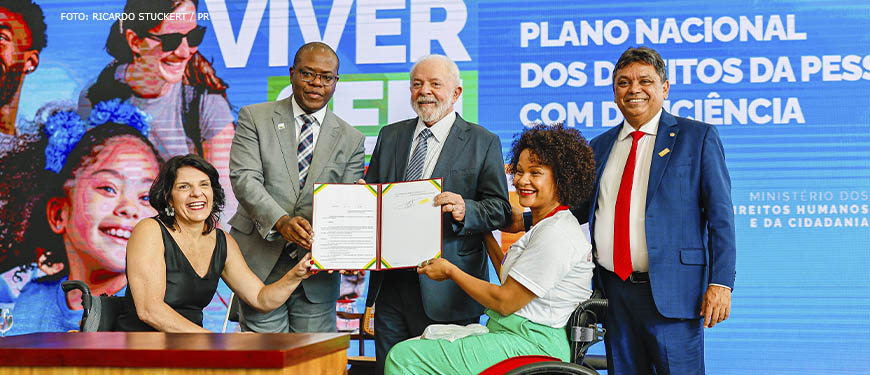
[(376, 226)]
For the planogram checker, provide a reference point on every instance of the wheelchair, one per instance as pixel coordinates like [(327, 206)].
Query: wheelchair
[(583, 329), (100, 312)]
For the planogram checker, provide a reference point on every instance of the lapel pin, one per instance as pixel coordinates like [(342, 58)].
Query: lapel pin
[(672, 134), (281, 126), (664, 152)]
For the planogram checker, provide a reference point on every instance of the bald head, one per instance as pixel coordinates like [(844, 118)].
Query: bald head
[(313, 76), (319, 47)]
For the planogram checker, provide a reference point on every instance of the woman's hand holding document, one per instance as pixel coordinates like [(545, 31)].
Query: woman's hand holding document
[(376, 226)]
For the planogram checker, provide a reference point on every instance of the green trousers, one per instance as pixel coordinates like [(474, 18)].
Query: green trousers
[(509, 336)]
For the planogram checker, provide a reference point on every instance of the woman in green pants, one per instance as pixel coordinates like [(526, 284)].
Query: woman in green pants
[(544, 275)]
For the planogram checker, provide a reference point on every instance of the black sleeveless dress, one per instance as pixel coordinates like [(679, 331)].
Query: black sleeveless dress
[(186, 292)]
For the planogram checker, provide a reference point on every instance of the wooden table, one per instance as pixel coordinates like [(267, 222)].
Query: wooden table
[(112, 353)]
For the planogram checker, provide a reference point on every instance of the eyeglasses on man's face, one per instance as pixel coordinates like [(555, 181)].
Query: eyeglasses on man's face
[(325, 78), (170, 42)]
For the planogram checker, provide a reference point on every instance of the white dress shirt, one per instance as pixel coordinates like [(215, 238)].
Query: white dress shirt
[(318, 117), (608, 189), (440, 130)]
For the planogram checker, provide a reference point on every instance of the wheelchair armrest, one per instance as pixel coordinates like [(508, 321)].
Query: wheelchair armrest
[(597, 306), (584, 328), (70, 285)]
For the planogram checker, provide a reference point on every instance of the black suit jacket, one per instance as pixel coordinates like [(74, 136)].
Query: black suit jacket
[(472, 166)]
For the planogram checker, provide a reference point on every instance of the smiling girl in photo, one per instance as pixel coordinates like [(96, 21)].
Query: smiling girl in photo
[(94, 190)]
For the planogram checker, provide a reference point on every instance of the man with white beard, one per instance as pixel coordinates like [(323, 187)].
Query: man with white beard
[(438, 143)]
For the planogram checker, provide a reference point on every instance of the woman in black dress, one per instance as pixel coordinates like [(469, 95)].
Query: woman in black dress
[(174, 260)]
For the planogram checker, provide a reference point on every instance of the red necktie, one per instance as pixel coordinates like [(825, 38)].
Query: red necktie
[(621, 243)]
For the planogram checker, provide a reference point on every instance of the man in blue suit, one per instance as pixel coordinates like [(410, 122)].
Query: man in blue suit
[(438, 143), (662, 227)]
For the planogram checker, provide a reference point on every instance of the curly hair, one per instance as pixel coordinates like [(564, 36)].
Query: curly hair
[(161, 190), (566, 152), (22, 186), (24, 226), (32, 15)]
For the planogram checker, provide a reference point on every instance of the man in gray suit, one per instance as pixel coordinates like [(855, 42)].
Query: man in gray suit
[(280, 149), (438, 143)]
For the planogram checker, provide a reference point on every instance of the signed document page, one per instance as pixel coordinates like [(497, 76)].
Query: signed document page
[(345, 224), (410, 223)]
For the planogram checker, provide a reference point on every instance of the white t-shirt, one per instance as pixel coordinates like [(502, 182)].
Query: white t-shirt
[(554, 261)]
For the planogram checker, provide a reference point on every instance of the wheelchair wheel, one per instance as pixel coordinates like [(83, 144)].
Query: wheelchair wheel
[(557, 368)]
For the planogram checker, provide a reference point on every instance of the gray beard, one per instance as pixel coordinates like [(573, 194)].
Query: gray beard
[(10, 81), (431, 115)]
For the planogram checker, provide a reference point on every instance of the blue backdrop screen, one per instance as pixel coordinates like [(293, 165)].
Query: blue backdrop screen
[(785, 83)]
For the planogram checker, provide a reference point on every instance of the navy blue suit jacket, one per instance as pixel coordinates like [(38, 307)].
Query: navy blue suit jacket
[(689, 214), (472, 166)]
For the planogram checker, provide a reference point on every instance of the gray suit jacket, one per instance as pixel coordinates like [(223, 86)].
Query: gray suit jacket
[(265, 177), (472, 166)]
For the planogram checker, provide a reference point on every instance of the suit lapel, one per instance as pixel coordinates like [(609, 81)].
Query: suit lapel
[(665, 138), (326, 141), (403, 148), (286, 135), (453, 146)]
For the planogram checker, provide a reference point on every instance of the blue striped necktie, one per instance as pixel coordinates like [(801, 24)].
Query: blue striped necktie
[(415, 166), (306, 147)]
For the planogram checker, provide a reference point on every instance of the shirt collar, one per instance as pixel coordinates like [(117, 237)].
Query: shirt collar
[(440, 129), (318, 114), (650, 128)]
